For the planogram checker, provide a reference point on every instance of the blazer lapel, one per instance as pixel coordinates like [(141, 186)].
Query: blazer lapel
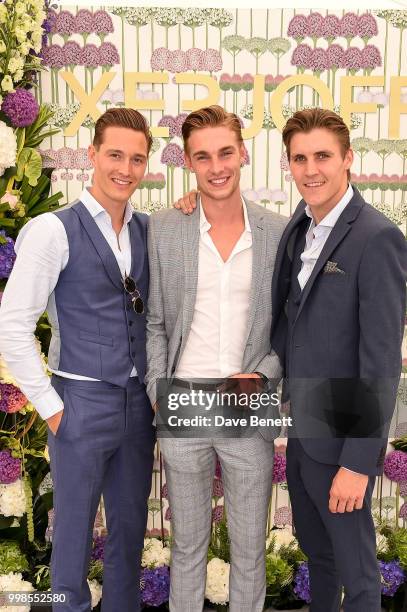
[(137, 245), (258, 260), (190, 250), (338, 233), (99, 242)]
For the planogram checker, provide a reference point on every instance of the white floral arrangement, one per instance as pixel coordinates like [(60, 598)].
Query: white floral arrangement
[(21, 24), (13, 501), (13, 581), (8, 146), (281, 537), (95, 592), (155, 554), (217, 581)]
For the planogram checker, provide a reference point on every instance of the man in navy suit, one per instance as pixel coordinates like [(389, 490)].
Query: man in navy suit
[(338, 320)]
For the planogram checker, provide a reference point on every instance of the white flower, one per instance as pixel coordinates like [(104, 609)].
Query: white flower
[(95, 592), (20, 8), (2, 45), (8, 147), (217, 581), (14, 582), (12, 499), (15, 63), (10, 199), (5, 375), (155, 554), (7, 83), (282, 537)]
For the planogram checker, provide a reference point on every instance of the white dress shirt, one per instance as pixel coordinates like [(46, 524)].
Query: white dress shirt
[(42, 253), (317, 235), (217, 338)]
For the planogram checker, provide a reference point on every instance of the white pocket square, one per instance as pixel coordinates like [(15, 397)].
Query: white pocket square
[(331, 267)]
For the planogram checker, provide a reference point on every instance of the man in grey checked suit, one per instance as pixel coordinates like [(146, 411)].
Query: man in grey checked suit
[(209, 316)]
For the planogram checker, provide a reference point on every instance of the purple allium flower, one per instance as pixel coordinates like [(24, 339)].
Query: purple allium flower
[(10, 467), (98, 549), (392, 576), (395, 466), (217, 488), (11, 398), (83, 22), (164, 491), (284, 165), (371, 57), (173, 155), (80, 159), (236, 82), (179, 122), (217, 514), (283, 516), (52, 17), (403, 511), (20, 107), (218, 469), (177, 61), (366, 26), (170, 122), (195, 59), (212, 60), (67, 176), (155, 585), (315, 25), (7, 259), (82, 176), (109, 55), (53, 56), (318, 61), (298, 27), (279, 467), (331, 27), (168, 514), (102, 23), (403, 488), (72, 53), (65, 23), (302, 582), (64, 158), (301, 56), (334, 55), (90, 56), (349, 25), (352, 59), (159, 58)]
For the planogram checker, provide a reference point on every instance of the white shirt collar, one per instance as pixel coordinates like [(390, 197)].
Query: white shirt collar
[(205, 226), (332, 217), (96, 209)]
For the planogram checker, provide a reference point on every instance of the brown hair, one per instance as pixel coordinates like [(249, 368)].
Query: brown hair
[(122, 117), (314, 118), (211, 116)]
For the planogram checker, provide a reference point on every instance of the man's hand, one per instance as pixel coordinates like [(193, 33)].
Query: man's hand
[(187, 203), (347, 491), (54, 421)]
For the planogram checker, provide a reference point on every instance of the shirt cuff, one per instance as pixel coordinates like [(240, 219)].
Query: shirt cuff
[(48, 404)]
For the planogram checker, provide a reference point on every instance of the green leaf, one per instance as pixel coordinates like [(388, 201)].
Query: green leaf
[(46, 205), (29, 163), (20, 136), (7, 222)]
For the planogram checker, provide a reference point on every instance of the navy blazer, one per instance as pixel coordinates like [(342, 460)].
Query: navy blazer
[(345, 335)]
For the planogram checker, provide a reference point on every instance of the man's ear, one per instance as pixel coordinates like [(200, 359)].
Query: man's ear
[(91, 154), (188, 162), (348, 158)]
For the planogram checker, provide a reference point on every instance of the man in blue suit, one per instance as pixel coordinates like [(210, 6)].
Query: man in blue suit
[(338, 320), (87, 266)]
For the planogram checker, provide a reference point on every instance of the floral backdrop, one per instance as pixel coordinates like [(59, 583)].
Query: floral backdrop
[(52, 60)]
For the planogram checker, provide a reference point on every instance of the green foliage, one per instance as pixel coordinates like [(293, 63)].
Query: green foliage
[(400, 444), (396, 546), (11, 557), (279, 574), (220, 544), (96, 571)]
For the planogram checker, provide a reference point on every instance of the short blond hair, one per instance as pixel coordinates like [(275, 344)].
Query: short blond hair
[(210, 116)]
